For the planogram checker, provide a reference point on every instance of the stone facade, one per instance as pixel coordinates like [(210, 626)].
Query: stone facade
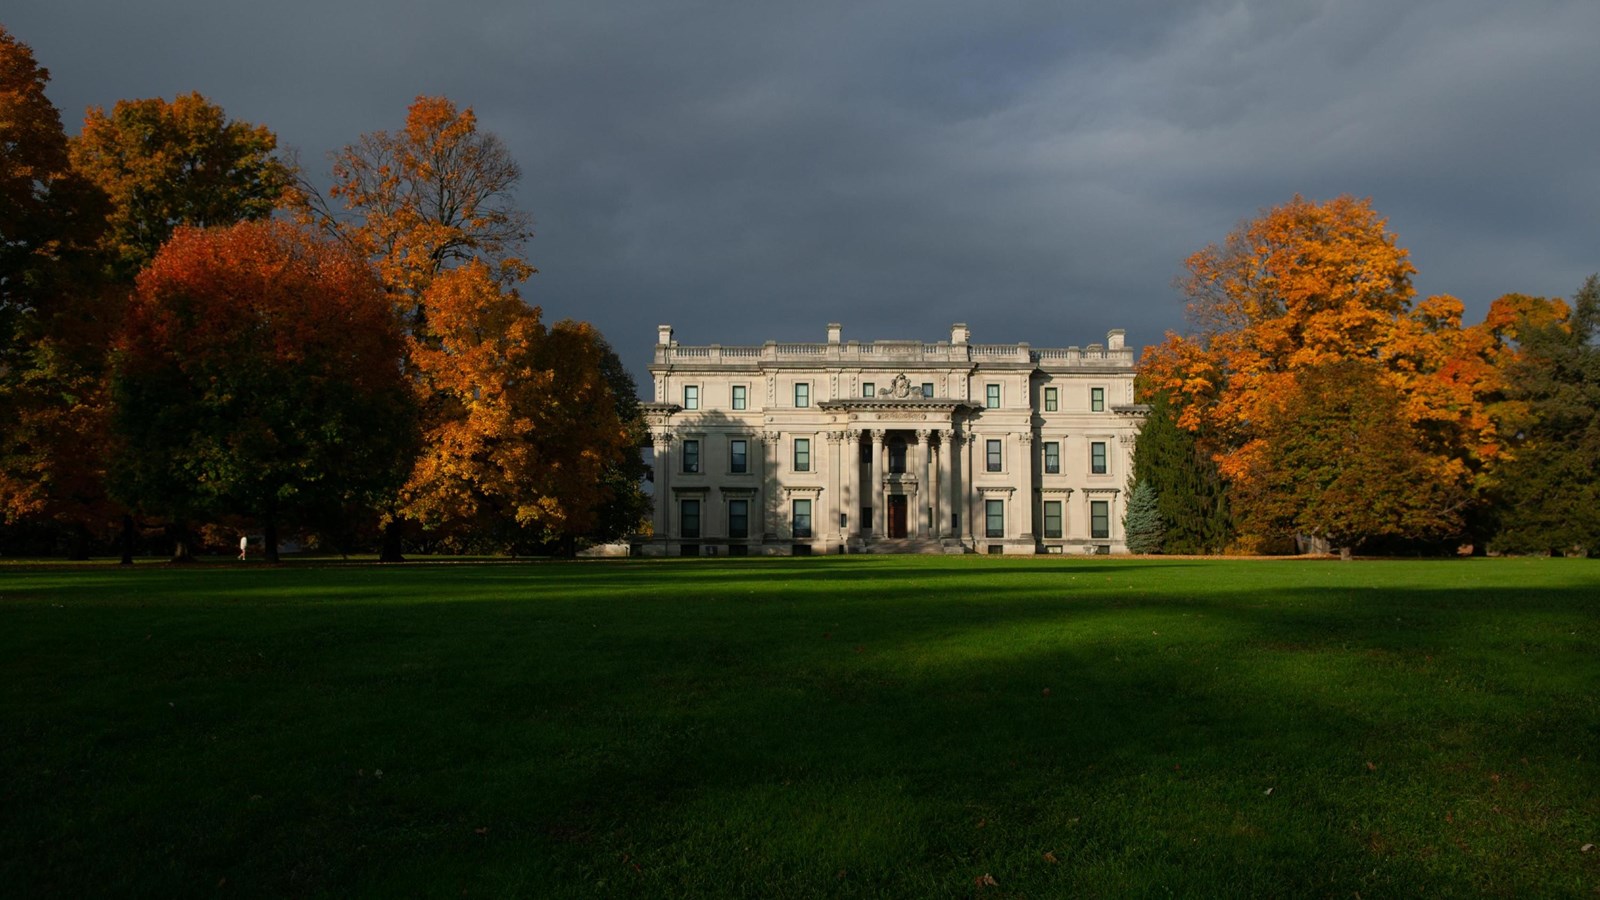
[(890, 446)]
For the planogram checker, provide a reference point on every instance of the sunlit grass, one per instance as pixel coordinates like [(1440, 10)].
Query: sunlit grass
[(856, 727)]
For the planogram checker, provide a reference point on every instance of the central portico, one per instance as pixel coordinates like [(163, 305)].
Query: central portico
[(888, 446)]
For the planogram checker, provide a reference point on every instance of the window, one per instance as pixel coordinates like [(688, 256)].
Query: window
[(691, 457), (802, 395), (738, 457), (691, 396), (1052, 458), (1097, 399), (994, 515), (802, 454), (992, 396), (739, 396), (1099, 519), (1052, 399), (897, 457), (992, 456), (866, 453), (802, 518), (738, 518), (866, 517), (1097, 457), (1052, 518), (927, 390), (690, 518), (869, 389)]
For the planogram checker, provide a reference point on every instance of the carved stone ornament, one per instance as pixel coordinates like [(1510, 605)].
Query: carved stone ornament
[(900, 388)]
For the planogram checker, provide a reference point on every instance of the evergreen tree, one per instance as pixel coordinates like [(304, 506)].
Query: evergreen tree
[(1550, 499), (1142, 524), (1190, 495)]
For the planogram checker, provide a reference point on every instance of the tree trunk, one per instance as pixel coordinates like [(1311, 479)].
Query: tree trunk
[(391, 543), (127, 540), (270, 536), (1345, 554)]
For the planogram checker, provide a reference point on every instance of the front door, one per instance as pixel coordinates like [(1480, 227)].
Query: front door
[(897, 515)]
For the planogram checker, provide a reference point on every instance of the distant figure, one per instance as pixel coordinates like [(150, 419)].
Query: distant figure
[(244, 545)]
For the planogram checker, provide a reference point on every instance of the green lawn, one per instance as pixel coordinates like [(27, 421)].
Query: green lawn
[(768, 728)]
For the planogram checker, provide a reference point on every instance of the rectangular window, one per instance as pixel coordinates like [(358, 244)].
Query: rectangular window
[(1097, 399), (1052, 458), (866, 517), (1052, 399), (992, 456), (866, 453), (1052, 518), (994, 516), (897, 457), (689, 519), (691, 396), (739, 396), (802, 395), (927, 390), (991, 397), (802, 518), (738, 518), (691, 457), (1099, 519), (802, 454), (869, 389), (1097, 457), (738, 457)]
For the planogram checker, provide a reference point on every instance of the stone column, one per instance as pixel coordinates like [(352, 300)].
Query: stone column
[(850, 458), (880, 515), (769, 485), (835, 488), (939, 474), (920, 530), (1024, 482), (661, 442), (969, 493)]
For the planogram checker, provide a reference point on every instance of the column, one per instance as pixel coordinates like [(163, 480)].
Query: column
[(936, 479), (769, 485), (850, 458), (661, 442), (968, 492), (880, 515), (924, 496), (1024, 482), (835, 492)]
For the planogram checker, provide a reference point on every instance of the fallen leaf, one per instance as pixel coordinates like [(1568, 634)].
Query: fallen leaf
[(985, 880), (1372, 766), (1050, 857), (1586, 848), (480, 831), (1267, 792), (1047, 692)]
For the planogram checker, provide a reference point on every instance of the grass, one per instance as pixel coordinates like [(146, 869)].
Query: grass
[(855, 727)]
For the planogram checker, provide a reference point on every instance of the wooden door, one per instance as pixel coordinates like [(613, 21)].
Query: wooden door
[(897, 515)]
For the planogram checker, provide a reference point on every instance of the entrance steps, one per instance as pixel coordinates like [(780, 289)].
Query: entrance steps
[(902, 545)]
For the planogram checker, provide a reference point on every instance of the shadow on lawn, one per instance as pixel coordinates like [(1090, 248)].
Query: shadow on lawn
[(901, 734)]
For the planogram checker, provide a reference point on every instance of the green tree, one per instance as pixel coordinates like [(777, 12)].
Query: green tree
[(1549, 493), (1342, 463), (1191, 498), (627, 506), (164, 165), (258, 373), (1142, 524)]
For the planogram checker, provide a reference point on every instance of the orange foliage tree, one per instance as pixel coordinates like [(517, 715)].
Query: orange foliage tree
[(1303, 287), (180, 163), (258, 374), (54, 319), (519, 424)]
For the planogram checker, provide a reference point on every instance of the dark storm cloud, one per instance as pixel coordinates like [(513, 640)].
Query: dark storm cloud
[(753, 171)]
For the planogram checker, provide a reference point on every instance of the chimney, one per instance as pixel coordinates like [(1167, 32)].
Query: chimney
[(959, 335), (835, 330), (663, 335), (1114, 339)]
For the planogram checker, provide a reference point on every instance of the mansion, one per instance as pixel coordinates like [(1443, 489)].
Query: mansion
[(897, 446)]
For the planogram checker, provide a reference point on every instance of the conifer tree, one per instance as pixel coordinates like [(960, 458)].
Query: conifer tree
[(1189, 494), (1549, 496), (1142, 524)]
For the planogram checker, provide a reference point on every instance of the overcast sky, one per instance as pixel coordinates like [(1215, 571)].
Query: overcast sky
[(1039, 170)]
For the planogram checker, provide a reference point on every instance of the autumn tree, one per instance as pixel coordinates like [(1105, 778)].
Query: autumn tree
[(258, 373), (1306, 286), (1548, 492), (520, 427), (54, 316), (168, 164), (522, 432)]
